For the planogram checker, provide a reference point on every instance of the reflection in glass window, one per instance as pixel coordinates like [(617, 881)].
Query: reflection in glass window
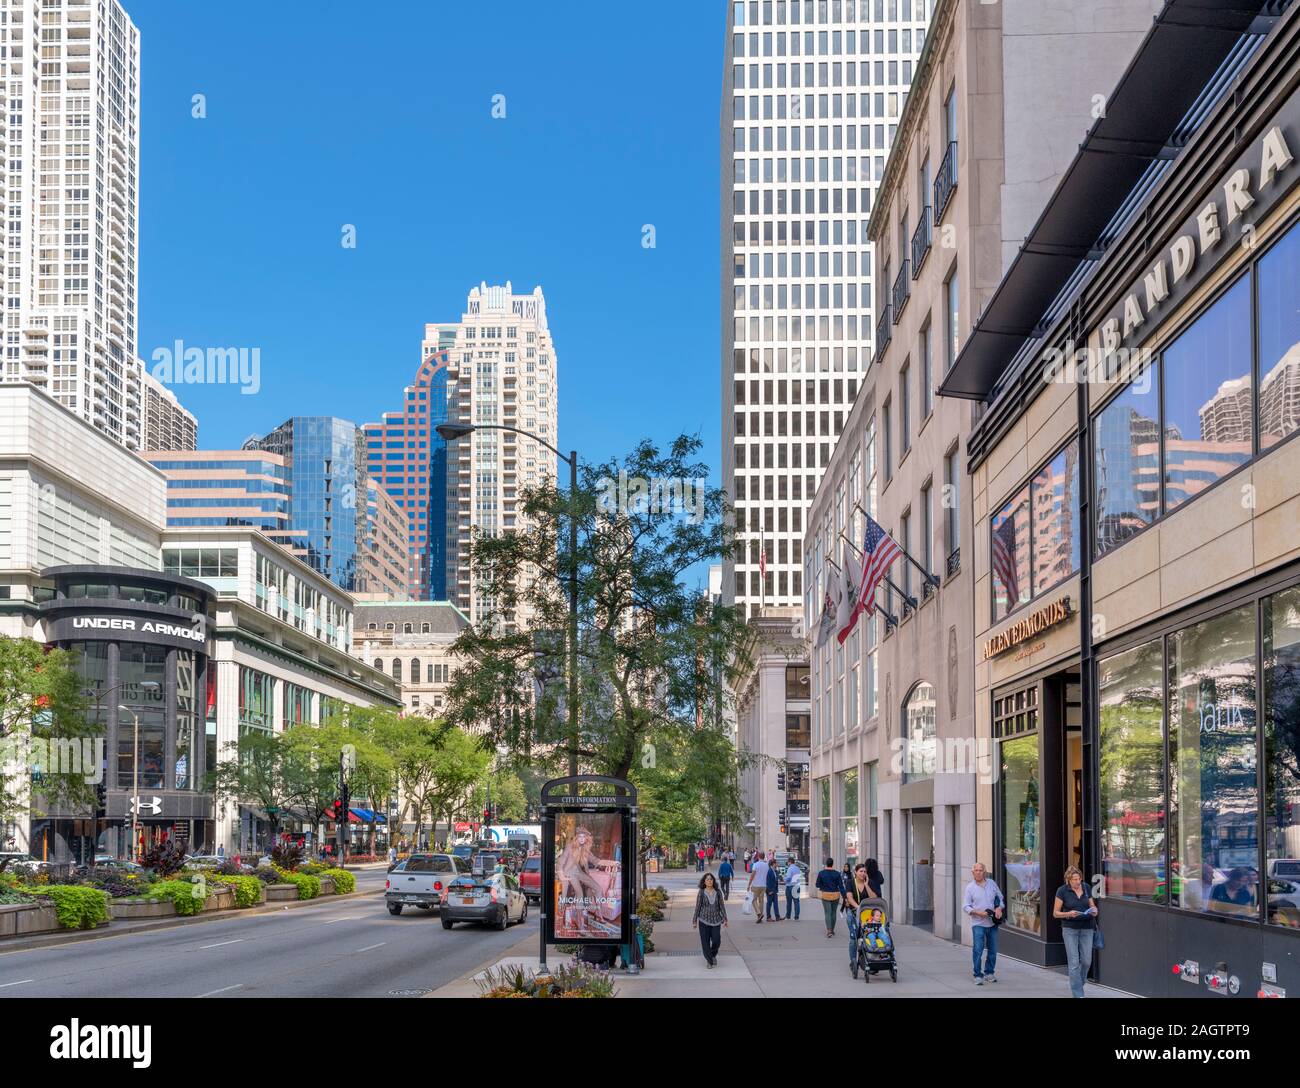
[(1132, 773), (1214, 806), (1054, 501), (1209, 426), (921, 732), (1021, 815), (1009, 555), (849, 841), (1126, 468), (824, 818), (1282, 754), (1279, 341)]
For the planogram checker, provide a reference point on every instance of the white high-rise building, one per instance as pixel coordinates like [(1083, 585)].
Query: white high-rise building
[(502, 371), (812, 91), (70, 80)]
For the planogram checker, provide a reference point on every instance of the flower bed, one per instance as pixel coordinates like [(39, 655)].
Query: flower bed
[(571, 980)]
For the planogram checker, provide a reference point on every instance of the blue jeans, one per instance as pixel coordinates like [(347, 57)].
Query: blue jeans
[(852, 923), (982, 938), (1078, 954), (791, 903)]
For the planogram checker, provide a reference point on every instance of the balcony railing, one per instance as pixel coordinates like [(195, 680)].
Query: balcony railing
[(921, 242), (954, 562), (883, 331), (902, 291), (945, 182)]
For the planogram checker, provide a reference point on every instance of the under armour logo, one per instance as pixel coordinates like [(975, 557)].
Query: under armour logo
[(154, 805)]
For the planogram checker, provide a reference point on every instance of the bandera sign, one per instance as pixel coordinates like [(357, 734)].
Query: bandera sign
[(1034, 623)]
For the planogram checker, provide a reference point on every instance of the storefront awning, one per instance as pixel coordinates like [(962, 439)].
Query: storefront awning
[(366, 816)]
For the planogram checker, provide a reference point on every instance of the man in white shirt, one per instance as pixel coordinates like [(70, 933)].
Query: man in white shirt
[(758, 884), (793, 888)]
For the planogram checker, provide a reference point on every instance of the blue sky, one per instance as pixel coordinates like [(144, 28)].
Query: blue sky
[(336, 113)]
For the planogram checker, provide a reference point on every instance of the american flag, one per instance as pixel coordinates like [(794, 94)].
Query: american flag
[(1004, 558), (762, 561), (879, 550)]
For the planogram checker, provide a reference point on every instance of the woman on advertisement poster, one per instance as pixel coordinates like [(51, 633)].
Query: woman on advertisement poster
[(582, 896)]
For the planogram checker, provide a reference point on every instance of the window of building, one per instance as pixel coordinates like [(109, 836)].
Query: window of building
[(1131, 743), (904, 409), (920, 738), (952, 312), (927, 371), (1021, 820), (796, 682), (1126, 462), (1281, 631), (951, 507), (887, 440), (850, 829), (414, 672), (1214, 800), (797, 731), (1278, 317)]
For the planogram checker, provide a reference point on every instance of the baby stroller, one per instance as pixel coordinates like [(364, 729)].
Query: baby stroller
[(875, 944)]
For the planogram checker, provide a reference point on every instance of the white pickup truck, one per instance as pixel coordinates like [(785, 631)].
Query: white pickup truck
[(421, 881)]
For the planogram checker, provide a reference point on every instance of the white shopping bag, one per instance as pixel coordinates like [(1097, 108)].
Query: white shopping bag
[(748, 908)]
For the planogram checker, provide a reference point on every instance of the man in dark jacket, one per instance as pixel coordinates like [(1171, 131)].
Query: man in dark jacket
[(725, 873), (773, 888)]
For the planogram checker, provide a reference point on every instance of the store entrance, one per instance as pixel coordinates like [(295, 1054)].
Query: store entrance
[(920, 857)]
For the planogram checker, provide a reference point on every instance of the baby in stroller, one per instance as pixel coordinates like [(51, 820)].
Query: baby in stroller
[(875, 944)]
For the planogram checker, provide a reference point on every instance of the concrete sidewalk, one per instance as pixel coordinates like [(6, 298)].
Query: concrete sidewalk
[(794, 958)]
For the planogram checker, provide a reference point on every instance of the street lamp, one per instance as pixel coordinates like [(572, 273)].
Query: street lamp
[(449, 432), (135, 767)]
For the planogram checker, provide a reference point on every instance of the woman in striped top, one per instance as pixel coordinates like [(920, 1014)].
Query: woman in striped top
[(710, 916)]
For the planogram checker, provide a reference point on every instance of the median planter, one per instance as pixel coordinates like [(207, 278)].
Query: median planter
[(142, 908), (220, 897), (281, 893), (22, 919), (326, 885)]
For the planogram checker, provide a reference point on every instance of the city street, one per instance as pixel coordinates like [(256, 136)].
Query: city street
[(352, 947)]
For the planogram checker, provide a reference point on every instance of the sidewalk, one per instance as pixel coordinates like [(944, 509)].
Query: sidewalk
[(794, 959)]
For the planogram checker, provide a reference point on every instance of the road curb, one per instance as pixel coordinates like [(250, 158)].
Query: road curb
[(54, 940)]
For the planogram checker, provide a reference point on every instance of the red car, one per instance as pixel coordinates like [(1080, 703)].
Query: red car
[(530, 878)]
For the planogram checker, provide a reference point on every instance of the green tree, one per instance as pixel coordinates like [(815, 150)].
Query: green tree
[(507, 792), (46, 736), (654, 656)]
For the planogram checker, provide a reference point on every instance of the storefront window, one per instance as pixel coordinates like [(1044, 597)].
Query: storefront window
[(186, 720), (1054, 526), (297, 705), (1279, 341), (1132, 762), (1209, 429), (142, 716), (921, 732), (1126, 462), (1214, 808), (1009, 555), (850, 844), (1018, 795), (1282, 756), (255, 705)]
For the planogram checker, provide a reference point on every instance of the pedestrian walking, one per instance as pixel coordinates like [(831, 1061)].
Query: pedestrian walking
[(982, 903), (392, 856), (725, 873), (758, 884), (1077, 910), (830, 890), (699, 860), (710, 916), (876, 877), (710, 852), (857, 890), (773, 888), (748, 855), (793, 889)]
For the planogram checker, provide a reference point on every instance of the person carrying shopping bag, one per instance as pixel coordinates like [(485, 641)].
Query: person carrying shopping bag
[(793, 889), (758, 884), (1077, 910), (830, 890)]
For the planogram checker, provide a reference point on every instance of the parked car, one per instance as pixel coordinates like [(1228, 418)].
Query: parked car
[(19, 862), (204, 861), (530, 878), (494, 899), (421, 880)]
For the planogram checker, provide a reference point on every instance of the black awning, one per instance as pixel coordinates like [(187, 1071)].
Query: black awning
[(1186, 46)]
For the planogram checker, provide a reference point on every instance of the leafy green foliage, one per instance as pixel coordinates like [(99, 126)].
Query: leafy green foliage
[(308, 886), (287, 856), (571, 980), (248, 889), (75, 905), (187, 896), (344, 881)]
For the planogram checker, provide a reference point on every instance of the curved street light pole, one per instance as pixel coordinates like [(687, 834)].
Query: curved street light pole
[(450, 432)]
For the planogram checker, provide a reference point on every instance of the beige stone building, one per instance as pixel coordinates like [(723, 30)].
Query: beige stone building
[(411, 642), (1001, 96), (1135, 490)]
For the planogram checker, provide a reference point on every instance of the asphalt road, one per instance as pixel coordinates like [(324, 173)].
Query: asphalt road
[(345, 948)]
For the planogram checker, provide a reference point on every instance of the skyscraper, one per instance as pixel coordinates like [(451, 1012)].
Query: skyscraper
[(165, 424), (812, 90), (71, 98)]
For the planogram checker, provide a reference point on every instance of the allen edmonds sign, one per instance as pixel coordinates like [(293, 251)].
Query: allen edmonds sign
[(1034, 623)]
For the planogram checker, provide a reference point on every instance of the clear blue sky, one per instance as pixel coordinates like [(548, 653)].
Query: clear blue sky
[(336, 113)]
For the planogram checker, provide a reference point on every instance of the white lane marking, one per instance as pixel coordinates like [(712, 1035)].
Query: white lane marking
[(18, 983), (372, 947), (224, 989), (219, 944)]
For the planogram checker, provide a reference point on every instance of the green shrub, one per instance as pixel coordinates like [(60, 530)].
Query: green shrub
[(308, 886), (188, 897), (248, 889), (76, 906), (344, 881)]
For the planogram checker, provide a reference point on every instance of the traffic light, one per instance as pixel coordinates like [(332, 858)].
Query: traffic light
[(780, 780), (781, 821), (487, 814)]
